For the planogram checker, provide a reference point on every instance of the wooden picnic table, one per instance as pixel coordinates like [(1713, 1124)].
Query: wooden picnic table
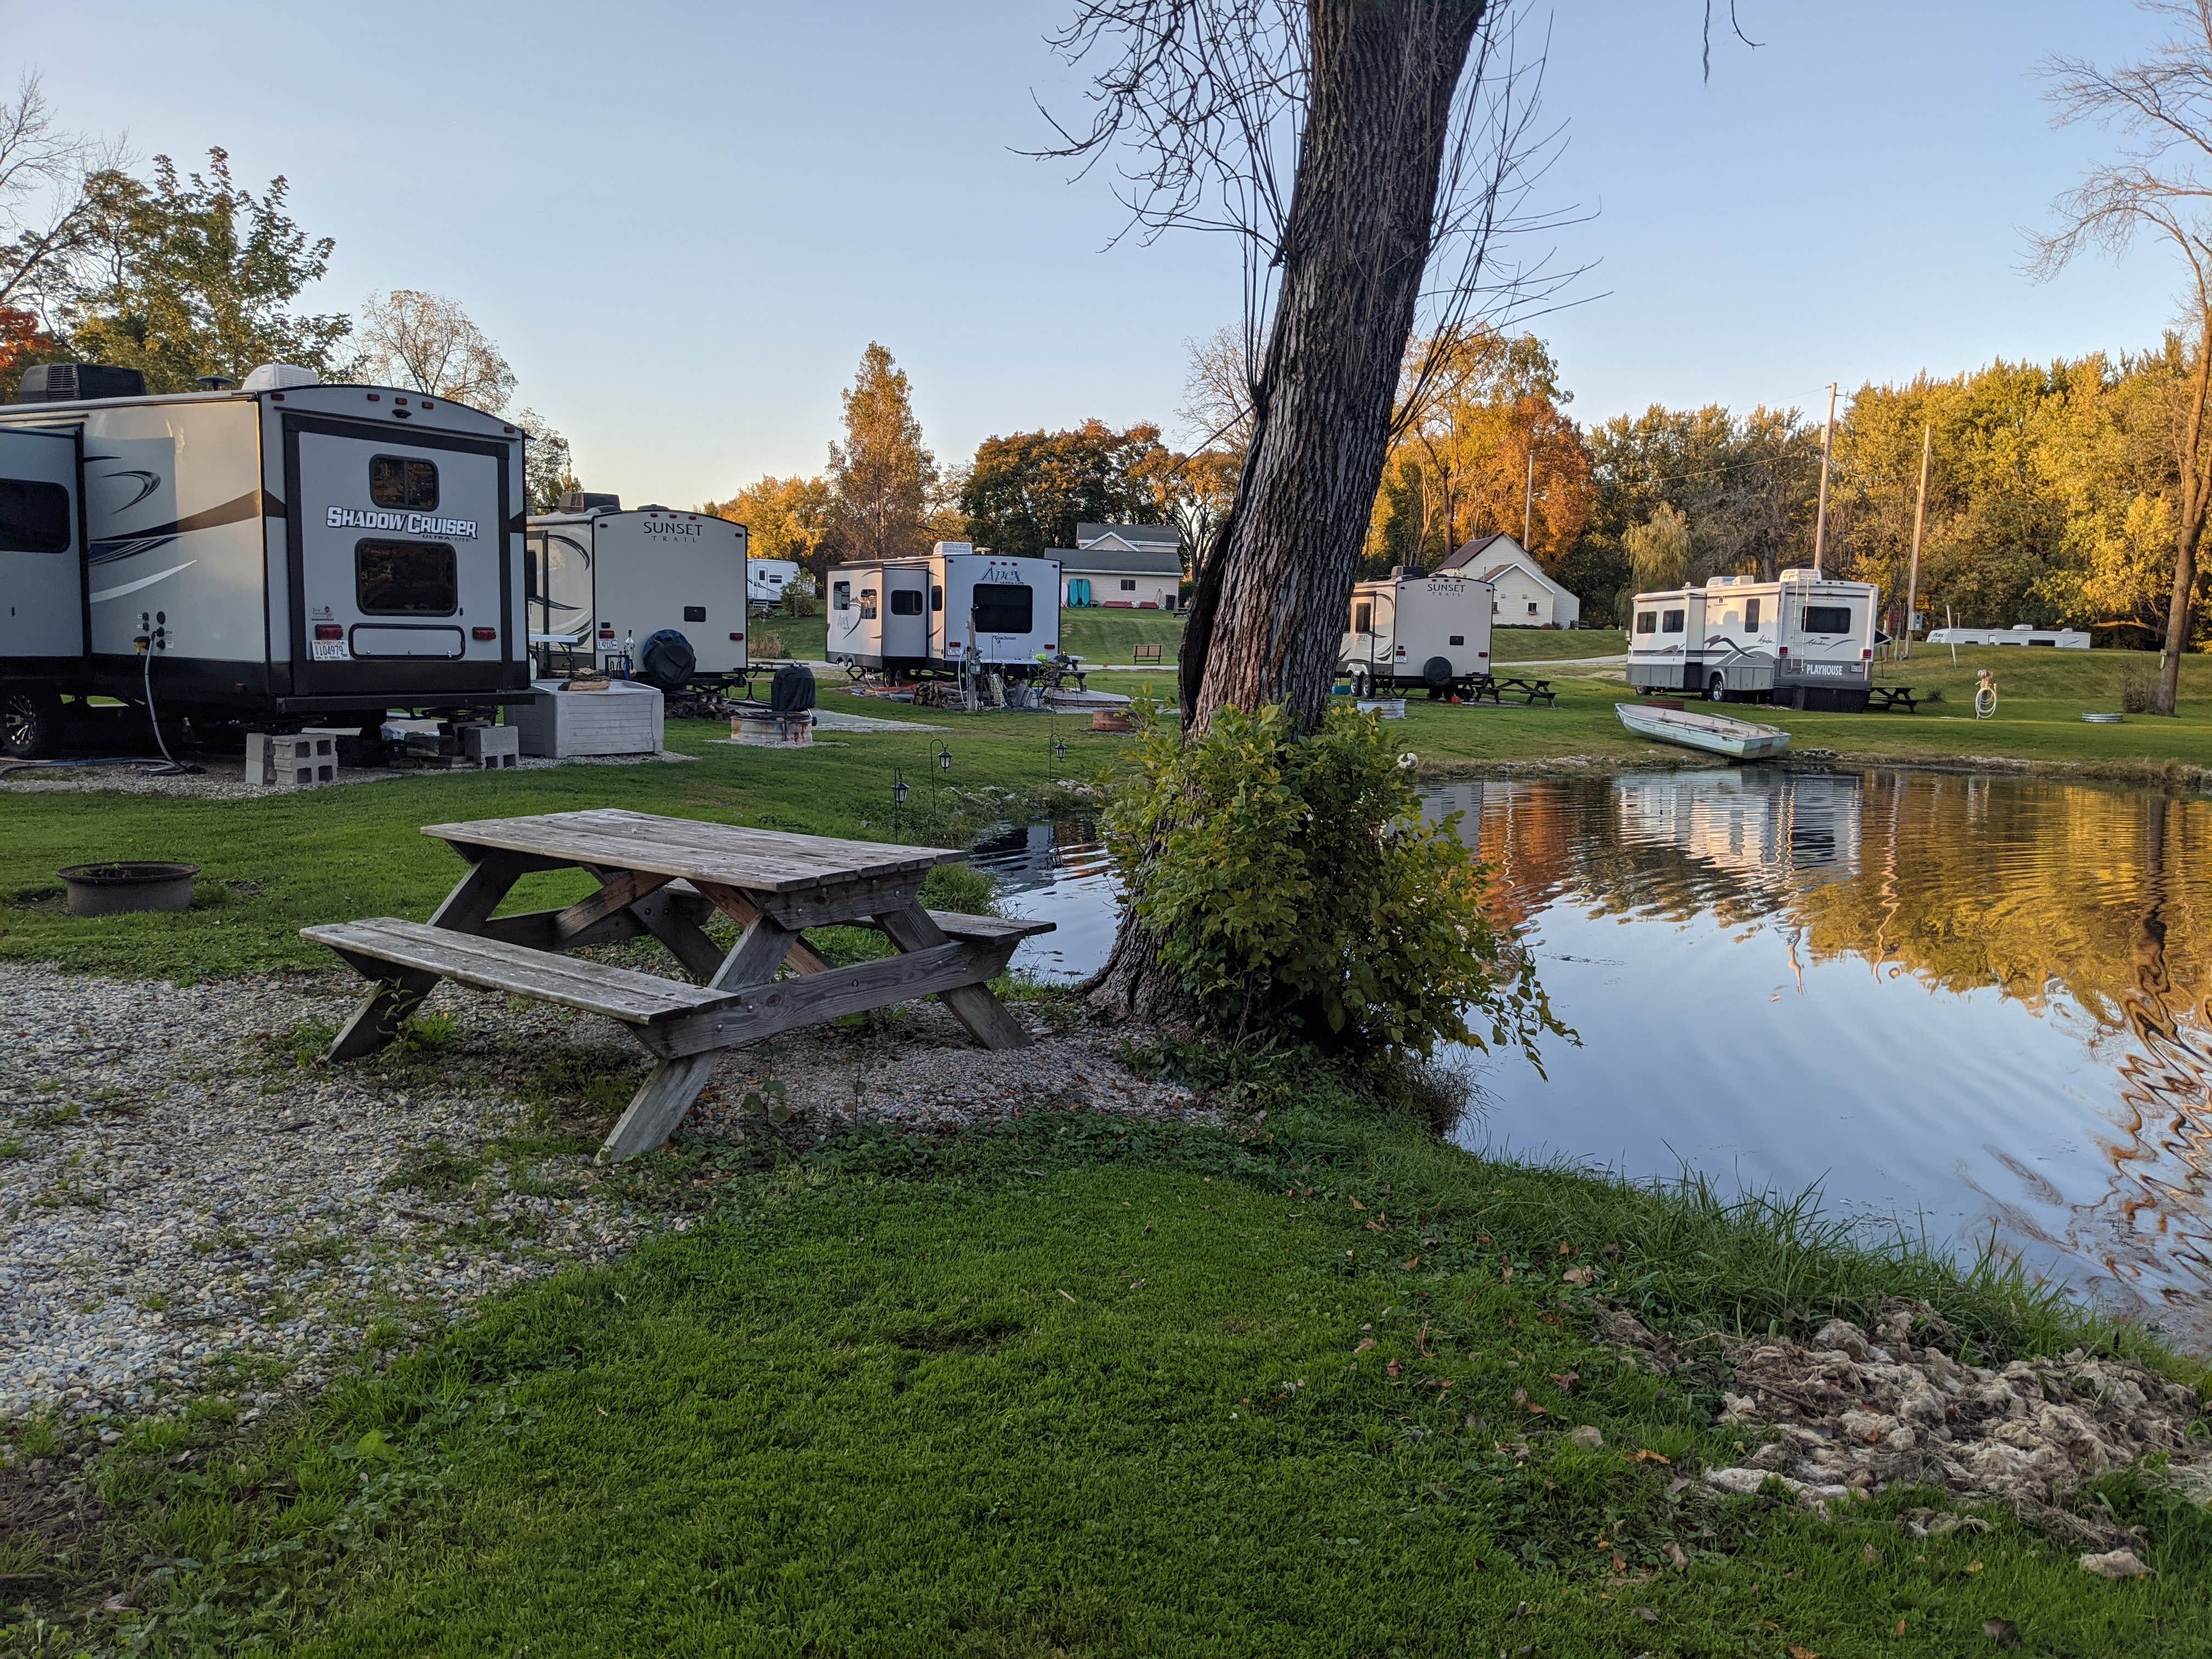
[(1494, 686), (1888, 699), (666, 876)]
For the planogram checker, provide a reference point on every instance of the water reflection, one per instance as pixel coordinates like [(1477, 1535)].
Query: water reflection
[(1976, 1006)]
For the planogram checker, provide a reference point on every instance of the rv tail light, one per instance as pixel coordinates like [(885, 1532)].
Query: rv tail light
[(1784, 650), (484, 632), (1482, 654), (606, 633), (1401, 650), (737, 638), (1866, 656), (329, 631)]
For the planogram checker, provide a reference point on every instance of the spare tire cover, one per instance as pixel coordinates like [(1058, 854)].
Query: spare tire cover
[(1437, 671), (792, 690), (666, 661)]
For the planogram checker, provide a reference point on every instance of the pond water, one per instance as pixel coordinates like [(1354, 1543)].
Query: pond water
[(1974, 1007)]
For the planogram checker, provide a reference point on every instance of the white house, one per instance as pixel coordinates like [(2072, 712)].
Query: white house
[(1134, 567), (1526, 596)]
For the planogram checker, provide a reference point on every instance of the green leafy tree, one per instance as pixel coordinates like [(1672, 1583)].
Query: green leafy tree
[(549, 468), (1028, 492), (195, 276), (785, 519), (1658, 549), (882, 476)]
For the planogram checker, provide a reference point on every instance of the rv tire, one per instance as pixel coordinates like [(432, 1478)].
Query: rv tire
[(1717, 690), (30, 721), (1362, 683)]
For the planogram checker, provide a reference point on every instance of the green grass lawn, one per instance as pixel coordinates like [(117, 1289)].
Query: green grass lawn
[(1549, 644), (1081, 1387)]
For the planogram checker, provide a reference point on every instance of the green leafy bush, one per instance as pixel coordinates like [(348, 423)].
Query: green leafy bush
[(1294, 890)]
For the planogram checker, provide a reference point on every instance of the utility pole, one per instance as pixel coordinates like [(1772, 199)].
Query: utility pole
[(1820, 522), (1528, 501), (1919, 517)]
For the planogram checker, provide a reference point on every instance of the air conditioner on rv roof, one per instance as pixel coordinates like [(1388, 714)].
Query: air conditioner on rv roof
[(278, 377)]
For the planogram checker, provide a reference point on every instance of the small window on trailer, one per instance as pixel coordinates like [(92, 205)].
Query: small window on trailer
[(1672, 622), (1828, 619), (1751, 616), (402, 481), (34, 516), (841, 596), (936, 596), (867, 602), (905, 602), (406, 579), (1363, 617), (1647, 622)]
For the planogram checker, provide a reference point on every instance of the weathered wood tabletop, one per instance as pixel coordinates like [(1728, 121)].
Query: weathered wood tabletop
[(667, 877)]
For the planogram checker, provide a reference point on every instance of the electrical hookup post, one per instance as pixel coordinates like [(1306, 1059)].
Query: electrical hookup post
[(152, 636)]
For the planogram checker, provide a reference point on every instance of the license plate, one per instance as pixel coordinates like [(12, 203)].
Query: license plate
[(327, 650)]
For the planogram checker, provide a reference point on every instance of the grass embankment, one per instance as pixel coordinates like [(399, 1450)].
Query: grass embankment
[(273, 865), (1083, 1387)]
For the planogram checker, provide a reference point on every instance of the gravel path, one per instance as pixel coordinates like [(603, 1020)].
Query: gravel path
[(177, 1188)]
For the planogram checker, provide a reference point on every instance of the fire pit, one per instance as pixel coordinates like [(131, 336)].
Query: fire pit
[(110, 890)]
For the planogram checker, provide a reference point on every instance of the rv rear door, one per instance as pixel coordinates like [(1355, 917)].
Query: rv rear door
[(41, 556), (401, 554)]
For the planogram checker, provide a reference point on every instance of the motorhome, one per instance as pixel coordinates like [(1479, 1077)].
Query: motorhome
[(766, 580), (957, 606), (284, 550), (602, 581), (1414, 631), (1804, 641)]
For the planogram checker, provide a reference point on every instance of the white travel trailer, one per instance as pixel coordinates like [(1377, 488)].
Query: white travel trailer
[(766, 580), (602, 582), (952, 607), (1804, 641), (293, 552), (1413, 631)]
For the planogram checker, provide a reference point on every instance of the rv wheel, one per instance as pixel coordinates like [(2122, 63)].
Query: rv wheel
[(1717, 690), (30, 722), (1361, 683)]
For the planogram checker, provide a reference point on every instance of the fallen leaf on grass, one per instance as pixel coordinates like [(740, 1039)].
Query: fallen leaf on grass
[(1675, 1558), (1412, 1264), (2118, 1564), (1421, 1340), (1365, 1343), (1374, 1226), (1900, 1627), (1357, 1205), (1579, 1275), (1392, 1368), (1646, 1615), (1647, 1455), (1566, 1380), (1796, 1652), (1069, 1297)]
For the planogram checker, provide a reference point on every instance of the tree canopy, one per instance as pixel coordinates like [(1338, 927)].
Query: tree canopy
[(1027, 492), (881, 475)]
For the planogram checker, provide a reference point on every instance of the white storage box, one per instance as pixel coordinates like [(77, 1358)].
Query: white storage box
[(625, 719)]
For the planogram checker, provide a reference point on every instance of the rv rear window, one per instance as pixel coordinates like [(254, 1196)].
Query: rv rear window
[(1671, 623), (405, 579), (1004, 607), (906, 602), (1647, 622), (1828, 619), (841, 596), (402, 481), (1751, 616), (34, 516), (936, 596), (1363, 619)]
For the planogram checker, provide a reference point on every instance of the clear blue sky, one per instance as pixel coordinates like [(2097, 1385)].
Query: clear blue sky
[(682, 223)]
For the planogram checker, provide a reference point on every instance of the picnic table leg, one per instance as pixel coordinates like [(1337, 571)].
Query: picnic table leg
[(466, 908), (659, 1106), (668, 1093), (974, 1005)]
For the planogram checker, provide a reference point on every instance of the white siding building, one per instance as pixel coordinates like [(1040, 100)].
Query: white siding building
[(1121, 567), (1526, 596)]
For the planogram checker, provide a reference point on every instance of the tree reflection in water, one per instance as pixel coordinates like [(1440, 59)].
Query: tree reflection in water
[(1917, 916)]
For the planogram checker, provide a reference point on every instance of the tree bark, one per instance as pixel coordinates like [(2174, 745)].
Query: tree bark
[(1355, 248), (2180, 611), (1269, 612)]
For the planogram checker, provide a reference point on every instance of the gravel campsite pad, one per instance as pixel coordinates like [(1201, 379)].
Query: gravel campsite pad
[(182, 1182)]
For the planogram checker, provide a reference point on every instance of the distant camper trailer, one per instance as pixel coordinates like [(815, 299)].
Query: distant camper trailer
[(766, 580), (1413, 632), (1804, 641), (953, 606), (603, 582), (2063, 638), (292, 551)]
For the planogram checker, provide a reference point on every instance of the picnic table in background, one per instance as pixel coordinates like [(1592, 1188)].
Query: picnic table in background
[(666, 876)]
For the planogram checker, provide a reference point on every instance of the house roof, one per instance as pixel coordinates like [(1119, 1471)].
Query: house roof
[(1491, 556), (1110, 561), (1135, 537)]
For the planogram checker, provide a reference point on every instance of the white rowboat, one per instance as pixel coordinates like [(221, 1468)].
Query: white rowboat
[(1716, 734)]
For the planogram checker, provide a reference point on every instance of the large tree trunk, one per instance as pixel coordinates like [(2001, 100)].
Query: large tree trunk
[(2180, 613), (1269, 612)]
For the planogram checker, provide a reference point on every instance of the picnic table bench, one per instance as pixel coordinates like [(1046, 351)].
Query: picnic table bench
[(1888, 699), (1145, 653), (1497, 687), (667, 877)]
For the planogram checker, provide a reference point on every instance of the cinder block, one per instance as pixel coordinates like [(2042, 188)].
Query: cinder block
[(496, 746), (291, 760)]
